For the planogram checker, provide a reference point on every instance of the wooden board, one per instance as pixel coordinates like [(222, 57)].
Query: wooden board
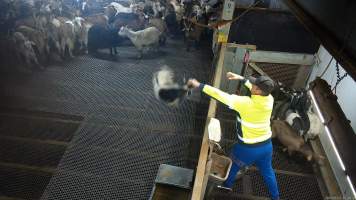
[(201, 177)]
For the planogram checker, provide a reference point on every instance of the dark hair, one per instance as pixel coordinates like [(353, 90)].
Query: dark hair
[(263, 93)]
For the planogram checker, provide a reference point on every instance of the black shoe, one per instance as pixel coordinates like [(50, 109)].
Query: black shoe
[(221, 187)]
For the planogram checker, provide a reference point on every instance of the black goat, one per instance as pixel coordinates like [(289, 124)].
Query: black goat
[(100, 37)]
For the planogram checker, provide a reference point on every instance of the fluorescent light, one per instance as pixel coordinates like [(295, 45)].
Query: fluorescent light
[(334, 147), (317, 107), (351, 186)]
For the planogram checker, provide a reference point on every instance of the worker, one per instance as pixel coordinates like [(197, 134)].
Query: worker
[(253, 144)]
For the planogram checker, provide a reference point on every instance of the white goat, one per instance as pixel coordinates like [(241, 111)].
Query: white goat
[(148, 37), (120, 8), (179, 10), (316, 126), (81, 28)]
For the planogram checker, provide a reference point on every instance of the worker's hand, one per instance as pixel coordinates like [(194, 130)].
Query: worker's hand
[(193, 83), (233, 76)]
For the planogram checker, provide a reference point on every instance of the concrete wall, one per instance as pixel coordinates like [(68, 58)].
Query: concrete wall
[(346, 90)]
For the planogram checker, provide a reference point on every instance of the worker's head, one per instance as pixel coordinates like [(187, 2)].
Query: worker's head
[(262, 85)]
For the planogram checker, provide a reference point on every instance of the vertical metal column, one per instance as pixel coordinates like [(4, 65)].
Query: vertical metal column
[(228, 13)]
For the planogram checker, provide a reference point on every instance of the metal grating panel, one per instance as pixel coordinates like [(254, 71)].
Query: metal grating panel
[(23, 184), (284, 73), (126, 133), (290, 186)]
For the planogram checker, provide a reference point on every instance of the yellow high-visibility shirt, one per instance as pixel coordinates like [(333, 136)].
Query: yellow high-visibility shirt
[(255, 112)]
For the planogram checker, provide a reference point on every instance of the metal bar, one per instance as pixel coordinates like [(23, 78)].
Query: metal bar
[(9, 198), (238, 7), (257, 69), (200, 176), (325, 171), (40, 118), (329, 41), (279, 171), (36, 141), (48, 170), (241, 196), (244, 46), (281, 57), (302, 77)]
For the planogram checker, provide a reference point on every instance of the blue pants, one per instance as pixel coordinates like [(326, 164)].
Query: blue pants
[(261, 155)]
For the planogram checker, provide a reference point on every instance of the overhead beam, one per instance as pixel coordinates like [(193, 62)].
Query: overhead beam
[(325, 37), (281, 57)]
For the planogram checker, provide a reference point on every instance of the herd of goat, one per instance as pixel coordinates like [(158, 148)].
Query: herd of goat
[(36, 32)]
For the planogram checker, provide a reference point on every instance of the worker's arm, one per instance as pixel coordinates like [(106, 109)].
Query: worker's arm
[(217, 94), (235, 102), (233, 76)]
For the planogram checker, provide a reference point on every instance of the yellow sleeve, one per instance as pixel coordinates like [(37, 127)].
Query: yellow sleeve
[(248, 84), (235, 102)]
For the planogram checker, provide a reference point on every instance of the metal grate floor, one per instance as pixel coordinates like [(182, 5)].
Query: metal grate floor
[(126, 133)]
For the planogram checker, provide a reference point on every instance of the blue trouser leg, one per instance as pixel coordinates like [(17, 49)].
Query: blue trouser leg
[(264, 164), (240, 158), (262, 156), (231, 178)]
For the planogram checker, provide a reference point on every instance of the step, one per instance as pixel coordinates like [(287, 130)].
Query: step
[(9, 198), (37, 128), (31, 152)]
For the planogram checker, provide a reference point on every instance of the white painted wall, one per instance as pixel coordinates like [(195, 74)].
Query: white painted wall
[(346, 90)]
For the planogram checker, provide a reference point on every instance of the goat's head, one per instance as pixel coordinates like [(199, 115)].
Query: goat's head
[(123, 31), (110, 11), (197, 11)]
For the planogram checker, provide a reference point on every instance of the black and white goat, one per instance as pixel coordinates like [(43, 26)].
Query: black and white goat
[(167, 89)]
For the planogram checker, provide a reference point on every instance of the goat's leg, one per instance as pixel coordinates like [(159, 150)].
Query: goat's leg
[(156, 47), (188, 45), (140, 51), (196, 44), (111, 51), (70, 49), (140, 54)]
